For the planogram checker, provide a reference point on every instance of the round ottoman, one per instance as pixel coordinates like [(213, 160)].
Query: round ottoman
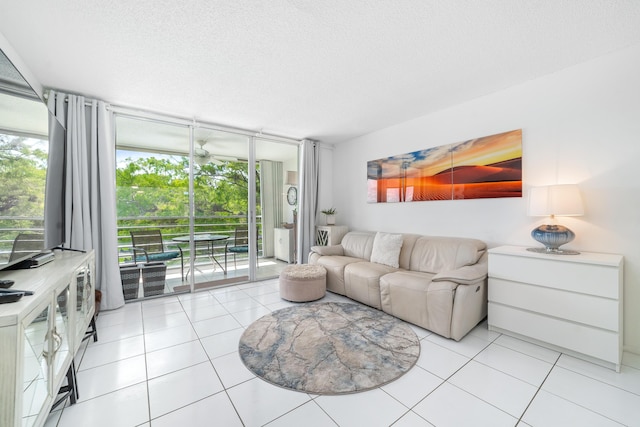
[(303, 282)]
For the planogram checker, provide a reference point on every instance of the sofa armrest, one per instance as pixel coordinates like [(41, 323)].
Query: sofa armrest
[(466, 275), (328, 250)]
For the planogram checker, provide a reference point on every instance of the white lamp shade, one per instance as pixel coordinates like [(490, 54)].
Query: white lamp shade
[(292, 178), (561, 200)]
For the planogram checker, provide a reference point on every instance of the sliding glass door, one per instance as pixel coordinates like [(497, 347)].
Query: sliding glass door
[(222, 205), (221, 214)]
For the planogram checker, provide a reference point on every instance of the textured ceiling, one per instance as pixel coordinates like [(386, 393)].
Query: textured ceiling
[(323, 69)]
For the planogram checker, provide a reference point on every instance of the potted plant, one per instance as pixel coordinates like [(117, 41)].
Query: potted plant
[(330, 215)]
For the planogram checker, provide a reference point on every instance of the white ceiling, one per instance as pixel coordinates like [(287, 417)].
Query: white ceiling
[(322, 69)]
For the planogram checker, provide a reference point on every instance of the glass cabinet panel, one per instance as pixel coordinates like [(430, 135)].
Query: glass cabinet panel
[(59, 333), (36, 367), (84, 299)]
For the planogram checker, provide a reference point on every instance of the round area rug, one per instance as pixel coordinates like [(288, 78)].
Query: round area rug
[(329, 348)]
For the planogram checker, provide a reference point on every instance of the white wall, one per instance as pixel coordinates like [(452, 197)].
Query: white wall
[(580, 125)]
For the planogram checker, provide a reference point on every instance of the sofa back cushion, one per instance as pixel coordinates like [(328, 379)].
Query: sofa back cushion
[(358, 244), (436, 254)]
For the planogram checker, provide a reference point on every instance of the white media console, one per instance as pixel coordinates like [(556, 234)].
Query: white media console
[(40, 335)]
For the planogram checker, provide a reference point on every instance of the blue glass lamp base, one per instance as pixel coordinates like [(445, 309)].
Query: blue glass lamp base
[(552, 237)]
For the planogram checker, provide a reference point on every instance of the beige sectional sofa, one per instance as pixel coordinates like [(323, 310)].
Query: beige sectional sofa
[(438, 283)]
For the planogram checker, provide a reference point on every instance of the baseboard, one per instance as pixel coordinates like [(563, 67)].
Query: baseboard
[(631, 359)]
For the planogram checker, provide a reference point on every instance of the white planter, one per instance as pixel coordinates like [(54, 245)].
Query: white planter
[(331, 219)]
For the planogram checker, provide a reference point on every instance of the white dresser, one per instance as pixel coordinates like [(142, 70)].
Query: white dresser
[(570, 303), (40, 335), (327, 235)]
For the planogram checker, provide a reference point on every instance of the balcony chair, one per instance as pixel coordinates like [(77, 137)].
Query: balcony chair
[(26, 243), (238, 245), (148, 246)]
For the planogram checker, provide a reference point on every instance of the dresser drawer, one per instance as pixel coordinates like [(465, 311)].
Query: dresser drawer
[(589, 310), (598, 343), (558, 272)]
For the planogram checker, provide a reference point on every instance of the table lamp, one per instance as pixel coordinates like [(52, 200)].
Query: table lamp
[(554, 200)]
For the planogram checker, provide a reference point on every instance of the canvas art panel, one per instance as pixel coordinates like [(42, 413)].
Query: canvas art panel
[(486, 167)]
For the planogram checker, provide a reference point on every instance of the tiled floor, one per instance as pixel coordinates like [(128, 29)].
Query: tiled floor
[(174, 362)]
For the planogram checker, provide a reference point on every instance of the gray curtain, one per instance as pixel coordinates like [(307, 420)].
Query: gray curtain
[(90, 193), (271, 187), (308, 199)]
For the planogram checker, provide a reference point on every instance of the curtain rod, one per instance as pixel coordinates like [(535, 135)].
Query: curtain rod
[(171, 119)]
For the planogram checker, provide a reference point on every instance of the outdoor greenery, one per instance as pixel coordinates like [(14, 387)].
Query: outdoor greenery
[(23, 163), (154, 191)]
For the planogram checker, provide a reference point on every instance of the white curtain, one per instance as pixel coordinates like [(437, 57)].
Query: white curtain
[(271, 185), (308, 199), (90, 196)]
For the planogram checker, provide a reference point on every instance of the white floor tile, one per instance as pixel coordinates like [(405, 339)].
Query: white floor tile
[(205, 328), (307, 415), (242, 305), (213, 410), (126, 407), (448, 406), (111, 377), (420, 332), (627, 379), (514, 363), (164, 322), (411, 419), (231, 369), (258, 402), (481, 331), (159, 309), (174, 358), (497, 388), (229, 294), (553, 411), (280, 305), (413, 386), (181, 388), (369, 408), (197, 314), (98, 354), (268, 299), (118, 332), (188, 373), (612, 402), (439, 360), (167, 337), (468, 346), (131, 312), (222, 343), (533, 350), (247, 317)]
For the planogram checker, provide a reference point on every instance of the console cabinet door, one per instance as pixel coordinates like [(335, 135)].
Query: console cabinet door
[(36, 385)]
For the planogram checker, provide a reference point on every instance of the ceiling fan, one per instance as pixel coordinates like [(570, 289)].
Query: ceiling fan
[(203, 157)]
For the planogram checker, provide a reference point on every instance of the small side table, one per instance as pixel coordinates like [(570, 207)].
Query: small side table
[(327, 235)]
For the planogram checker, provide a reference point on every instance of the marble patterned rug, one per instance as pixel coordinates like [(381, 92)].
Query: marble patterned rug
[(329, 348)]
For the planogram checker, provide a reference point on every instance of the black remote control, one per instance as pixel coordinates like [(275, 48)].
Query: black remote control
[(5, 283)]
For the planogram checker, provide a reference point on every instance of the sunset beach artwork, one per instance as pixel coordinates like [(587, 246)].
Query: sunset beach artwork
[(487, 167)]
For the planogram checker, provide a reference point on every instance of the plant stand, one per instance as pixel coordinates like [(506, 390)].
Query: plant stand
[(154, 276), (130, 276)]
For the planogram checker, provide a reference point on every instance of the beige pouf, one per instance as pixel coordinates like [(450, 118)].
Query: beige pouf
[(301, 283)]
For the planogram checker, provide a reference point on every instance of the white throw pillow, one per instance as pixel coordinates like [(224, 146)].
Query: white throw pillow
[(386, 249)]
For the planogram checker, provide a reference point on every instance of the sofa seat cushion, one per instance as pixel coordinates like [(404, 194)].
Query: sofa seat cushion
[(362, 282), (335, 270)]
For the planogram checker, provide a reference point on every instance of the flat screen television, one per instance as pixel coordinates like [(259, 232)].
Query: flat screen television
[(17, 103)]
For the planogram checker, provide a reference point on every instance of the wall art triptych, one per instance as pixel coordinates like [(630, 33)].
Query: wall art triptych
[(487, 167)]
